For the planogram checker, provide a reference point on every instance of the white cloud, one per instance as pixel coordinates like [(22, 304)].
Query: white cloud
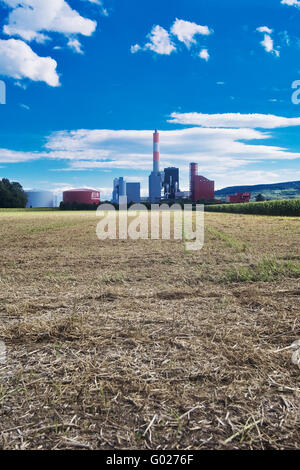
[(35, 20), (185, 31), (29, 18), (294, 3), (234, 120), (204, 54), (264, 29), (212, 148), (160, 41), (13, 156), (134, 49), (267, 42), (75, 45), (17, 60), (223, 154)]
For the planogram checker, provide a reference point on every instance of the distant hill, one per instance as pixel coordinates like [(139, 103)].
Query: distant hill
[(275, 191)]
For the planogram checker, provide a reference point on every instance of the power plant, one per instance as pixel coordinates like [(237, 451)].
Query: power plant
[(201, 188)]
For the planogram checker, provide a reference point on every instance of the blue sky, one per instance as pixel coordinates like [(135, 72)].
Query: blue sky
[(88, 81)]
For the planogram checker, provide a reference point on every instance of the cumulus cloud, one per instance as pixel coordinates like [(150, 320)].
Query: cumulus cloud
[(294, 3), (204, 54), (29, 18), (37, 20), (267, 42), (75, 45), (17, 60), (185, 31), (134, 49), (160, 41), (265, 29), (234, 120)]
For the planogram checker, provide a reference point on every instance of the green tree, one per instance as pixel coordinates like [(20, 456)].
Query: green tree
[(260, 198), (12, 195)]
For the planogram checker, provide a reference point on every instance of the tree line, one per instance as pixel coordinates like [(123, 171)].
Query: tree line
[(12, 195)]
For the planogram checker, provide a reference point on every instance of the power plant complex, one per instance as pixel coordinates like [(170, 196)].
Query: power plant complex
[(167, 181), (163, 185)]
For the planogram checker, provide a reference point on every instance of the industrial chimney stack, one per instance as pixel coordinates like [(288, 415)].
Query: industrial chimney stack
[(156, 152), (155, 179)]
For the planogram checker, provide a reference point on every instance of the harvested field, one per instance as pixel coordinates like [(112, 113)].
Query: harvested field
[(142, 345)]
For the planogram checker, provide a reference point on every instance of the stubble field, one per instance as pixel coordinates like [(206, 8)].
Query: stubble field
[(142, 345)]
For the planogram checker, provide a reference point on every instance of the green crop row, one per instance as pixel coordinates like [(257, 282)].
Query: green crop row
[(287, 207)]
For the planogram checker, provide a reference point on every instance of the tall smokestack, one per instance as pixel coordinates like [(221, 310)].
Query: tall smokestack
[(193, 174), (156, 152), (155, 179)]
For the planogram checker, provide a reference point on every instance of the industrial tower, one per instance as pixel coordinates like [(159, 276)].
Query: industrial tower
[(155, 179), (200, 187)]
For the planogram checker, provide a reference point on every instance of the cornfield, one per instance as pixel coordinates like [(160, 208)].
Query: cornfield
[(288, 207)]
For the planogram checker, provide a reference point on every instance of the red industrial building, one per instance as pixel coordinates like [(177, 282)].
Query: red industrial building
[(82, 196), (238, 198), (200, 187)]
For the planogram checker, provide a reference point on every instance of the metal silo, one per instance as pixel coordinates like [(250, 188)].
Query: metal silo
[(40, 199)]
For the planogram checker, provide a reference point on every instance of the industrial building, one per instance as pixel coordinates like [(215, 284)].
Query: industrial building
[(171, 182), (119, 189), (200, 187), (155, 178), (183, 195), (238, 198), (39, 199), (81, 196), (131, 190)]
